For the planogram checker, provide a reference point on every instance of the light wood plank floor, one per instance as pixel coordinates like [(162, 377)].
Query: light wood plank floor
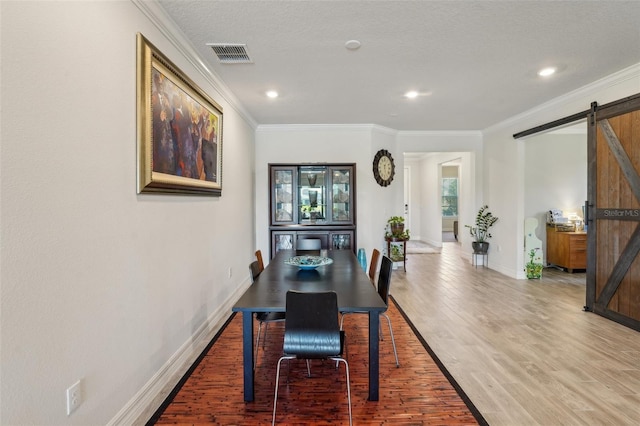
[(524, 351)]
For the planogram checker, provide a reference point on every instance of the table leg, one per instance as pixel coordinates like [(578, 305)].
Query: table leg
[(374, 355), (247, 354)]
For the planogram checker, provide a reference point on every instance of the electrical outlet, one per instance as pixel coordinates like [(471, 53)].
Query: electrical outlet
[(74, 397), (229, 271)]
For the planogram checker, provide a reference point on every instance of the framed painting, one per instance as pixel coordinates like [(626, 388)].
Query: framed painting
[(179, 129)]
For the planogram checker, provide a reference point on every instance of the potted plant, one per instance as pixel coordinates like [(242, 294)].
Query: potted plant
[(396, 235), (533, 269), (395, 229), (484, 220), (396, 226)]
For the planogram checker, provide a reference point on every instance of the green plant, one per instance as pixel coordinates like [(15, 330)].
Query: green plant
[(484, 220), (396, 253), (404, 235), (533, 269), (393, 220)]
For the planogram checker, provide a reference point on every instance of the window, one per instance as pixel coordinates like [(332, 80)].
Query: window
[(449, 197)]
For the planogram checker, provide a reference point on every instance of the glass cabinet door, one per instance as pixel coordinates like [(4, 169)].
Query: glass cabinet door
[(341, 240), (342, 197), (282, 196), (282, 240), (312, 195)]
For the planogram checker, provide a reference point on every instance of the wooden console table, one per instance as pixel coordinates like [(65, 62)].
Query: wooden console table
[(403, 242)]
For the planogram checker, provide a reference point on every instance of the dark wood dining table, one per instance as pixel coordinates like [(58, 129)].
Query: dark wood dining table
[(345, 276)]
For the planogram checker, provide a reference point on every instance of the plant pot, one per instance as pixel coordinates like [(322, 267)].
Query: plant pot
[(480, 246), (396, 228)]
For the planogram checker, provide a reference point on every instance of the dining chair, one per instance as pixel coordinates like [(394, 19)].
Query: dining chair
[(308, 244), (262, 317), (384, 284), (260, 261), (373, 266), (311, 331)]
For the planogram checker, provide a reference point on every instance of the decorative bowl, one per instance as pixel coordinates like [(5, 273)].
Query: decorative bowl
[(308, 262)]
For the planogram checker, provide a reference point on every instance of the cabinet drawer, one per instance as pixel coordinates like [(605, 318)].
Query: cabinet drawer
[(578, 242)]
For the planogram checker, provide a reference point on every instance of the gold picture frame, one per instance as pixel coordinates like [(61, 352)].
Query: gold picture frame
[(179, 129)]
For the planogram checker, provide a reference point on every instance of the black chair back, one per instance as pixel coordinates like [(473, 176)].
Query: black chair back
[(254, 268), (311, 325), (384, 279)]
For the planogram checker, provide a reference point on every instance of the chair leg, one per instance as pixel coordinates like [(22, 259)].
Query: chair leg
[(345, 356), (255, 355), (275, 396), (393, 341), (264, 339), (342, 314), (346, 367)]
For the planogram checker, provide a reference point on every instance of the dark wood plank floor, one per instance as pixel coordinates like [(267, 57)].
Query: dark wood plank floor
[(415, 393)]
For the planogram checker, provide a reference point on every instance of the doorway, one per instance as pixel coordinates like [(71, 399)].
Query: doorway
[(449, 199), (555, 178), (423, 193)]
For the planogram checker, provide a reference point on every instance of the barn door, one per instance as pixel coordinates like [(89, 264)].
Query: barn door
[(613, 273)]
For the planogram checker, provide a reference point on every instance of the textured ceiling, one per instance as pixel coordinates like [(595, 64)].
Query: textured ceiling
[(475, 63)]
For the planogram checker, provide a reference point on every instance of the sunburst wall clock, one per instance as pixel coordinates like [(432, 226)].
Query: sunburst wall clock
[(384, 168)]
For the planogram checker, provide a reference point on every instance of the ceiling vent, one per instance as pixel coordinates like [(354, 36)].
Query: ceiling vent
[(231, 53)]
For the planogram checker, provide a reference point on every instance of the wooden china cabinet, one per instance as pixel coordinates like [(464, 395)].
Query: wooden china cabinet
[(312, 201)]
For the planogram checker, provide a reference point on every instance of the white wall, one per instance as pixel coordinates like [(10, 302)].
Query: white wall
[(555, 176), (431, 218), (331, 144), (99, 283), (504, 163), (415, 202)]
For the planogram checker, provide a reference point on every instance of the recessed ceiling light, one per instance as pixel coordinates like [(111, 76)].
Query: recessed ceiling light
[(412, 94), (352, 44), (546, 72), (272, 94)]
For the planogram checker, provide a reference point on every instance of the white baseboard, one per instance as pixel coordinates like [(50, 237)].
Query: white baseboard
[(148, 399)]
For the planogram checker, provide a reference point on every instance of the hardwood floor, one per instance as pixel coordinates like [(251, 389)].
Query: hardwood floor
[(524, 351), (415, 393)]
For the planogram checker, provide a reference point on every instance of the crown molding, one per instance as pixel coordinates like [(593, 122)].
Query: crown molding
[(263, 128), (167, 26), (629, 73), (445, 133)]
